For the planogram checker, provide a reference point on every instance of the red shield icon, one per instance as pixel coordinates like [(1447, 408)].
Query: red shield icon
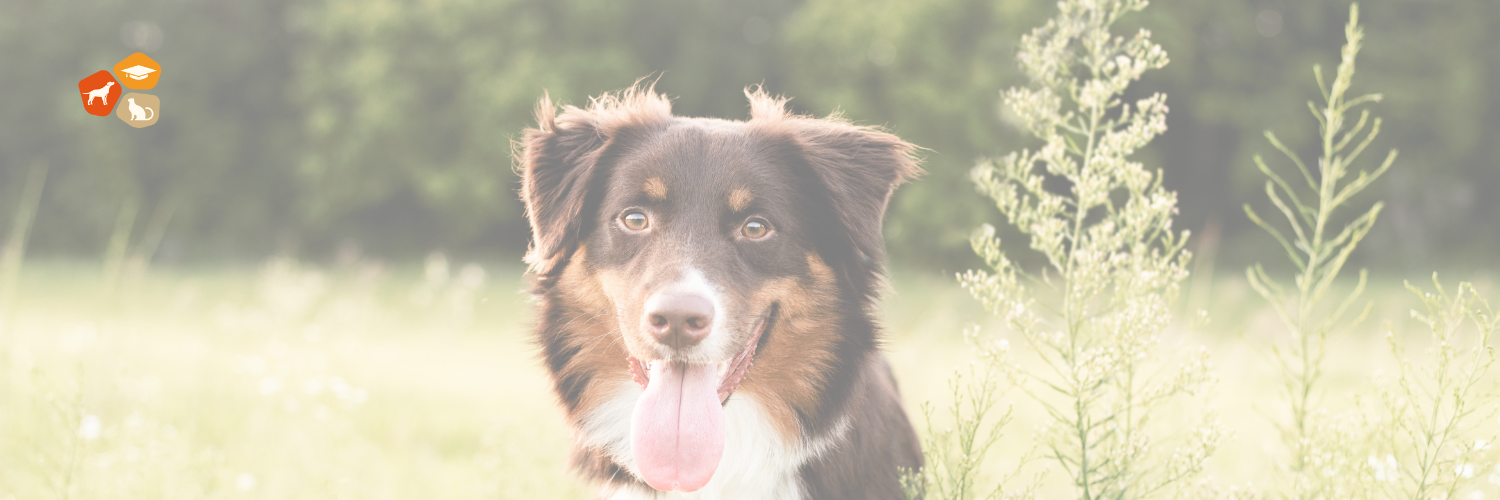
[(99, 92)]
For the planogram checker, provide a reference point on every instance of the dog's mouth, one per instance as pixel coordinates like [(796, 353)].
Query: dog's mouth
[(730, 373), (677, 428)]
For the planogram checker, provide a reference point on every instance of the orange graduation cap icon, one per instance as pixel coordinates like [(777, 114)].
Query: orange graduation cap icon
[(138, 71)]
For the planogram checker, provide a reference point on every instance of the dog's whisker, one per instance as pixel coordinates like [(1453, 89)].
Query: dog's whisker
[(581, 314), (610, 336)]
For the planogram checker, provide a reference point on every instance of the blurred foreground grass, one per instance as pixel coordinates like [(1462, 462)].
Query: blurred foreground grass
[(278, 382), (366, 381)]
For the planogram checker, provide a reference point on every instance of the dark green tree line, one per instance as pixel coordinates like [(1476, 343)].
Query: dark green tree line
[(298, 126)]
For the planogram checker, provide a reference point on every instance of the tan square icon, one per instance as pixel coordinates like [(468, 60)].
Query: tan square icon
[(138, 110)]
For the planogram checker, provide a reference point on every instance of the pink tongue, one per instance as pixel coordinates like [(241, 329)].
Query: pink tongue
[(677, 430)]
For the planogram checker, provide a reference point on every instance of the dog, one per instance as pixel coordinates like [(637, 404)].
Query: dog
[(102, 93), (705, 294)]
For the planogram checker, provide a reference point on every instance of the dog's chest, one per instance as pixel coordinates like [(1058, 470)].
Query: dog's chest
[(757, 463)]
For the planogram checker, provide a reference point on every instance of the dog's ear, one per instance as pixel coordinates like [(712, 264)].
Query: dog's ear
[(859, 167), (561, 170), (557, 160)]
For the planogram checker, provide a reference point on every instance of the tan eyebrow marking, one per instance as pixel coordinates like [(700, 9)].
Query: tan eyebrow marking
[(655, 188), (739, 199)]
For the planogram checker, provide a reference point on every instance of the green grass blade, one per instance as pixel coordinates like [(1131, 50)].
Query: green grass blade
[(13, 254)]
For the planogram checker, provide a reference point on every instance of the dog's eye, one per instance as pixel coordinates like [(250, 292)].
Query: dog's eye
[(634, 220), (756, 228)]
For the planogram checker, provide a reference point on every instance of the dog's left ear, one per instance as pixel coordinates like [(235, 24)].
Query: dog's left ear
[(557, 162), (563, 162), (859, 167)]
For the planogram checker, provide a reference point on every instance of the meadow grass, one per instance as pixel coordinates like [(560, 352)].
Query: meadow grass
[(361, 380), (291, 381), (1101, 359), (278, 382)]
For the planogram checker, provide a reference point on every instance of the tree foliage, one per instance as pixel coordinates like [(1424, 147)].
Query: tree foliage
[(294, 126)]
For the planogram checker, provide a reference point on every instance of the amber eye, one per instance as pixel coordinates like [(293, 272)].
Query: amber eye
[(756, 228), (634, 220)]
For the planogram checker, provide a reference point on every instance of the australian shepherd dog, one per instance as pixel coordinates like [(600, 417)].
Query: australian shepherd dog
[(705, 298)]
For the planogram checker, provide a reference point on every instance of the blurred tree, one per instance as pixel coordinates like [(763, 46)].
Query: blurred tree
[(219, 151), (932, 72), (409, 108), (1239, 65), (295, 126)]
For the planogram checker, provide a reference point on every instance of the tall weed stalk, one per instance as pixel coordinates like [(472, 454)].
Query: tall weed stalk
[(1310, 201), (1114, 262)]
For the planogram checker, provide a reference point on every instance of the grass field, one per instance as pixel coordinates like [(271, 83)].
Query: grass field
[(365, 381)]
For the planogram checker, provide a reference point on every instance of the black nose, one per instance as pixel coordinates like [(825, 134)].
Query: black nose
[(679, 319)]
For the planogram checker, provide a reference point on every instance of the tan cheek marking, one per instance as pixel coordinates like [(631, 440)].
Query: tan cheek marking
[(822, 274), (616, 285), (607, 362), (591, 324), (789, 372), (739, 199), (655, 188), (581, 285)]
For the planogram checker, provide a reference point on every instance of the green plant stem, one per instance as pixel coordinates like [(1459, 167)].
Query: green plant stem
[(119, 242), (156, 228), (1319, 259), (14, 252), (1075, 319)]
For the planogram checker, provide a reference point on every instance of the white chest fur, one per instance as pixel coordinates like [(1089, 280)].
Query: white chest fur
[(757, 462)]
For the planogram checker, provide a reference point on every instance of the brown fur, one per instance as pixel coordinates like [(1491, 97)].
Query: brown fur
[(590, 334), (822, 183), (790, 371)]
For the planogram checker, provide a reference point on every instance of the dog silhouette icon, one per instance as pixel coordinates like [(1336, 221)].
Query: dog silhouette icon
[(102, 93)]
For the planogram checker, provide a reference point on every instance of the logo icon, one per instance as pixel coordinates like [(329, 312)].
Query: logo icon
[(99, 92), (138, 71), (139, 110)]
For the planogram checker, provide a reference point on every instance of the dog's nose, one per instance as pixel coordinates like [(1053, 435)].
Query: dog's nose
[(679, 319)]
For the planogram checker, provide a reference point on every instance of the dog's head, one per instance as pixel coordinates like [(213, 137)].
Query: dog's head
[(688, 222), (696, 235)]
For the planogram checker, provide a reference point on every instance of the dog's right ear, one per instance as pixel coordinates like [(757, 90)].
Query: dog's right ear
[(558, 160), (561, 167)]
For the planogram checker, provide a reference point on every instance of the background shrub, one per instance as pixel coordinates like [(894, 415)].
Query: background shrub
[(299, 126)]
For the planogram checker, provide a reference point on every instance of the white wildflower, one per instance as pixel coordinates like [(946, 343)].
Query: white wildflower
[(245, 481), (90, 427), (1111, 251), (269, 385), (1385, 470)]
